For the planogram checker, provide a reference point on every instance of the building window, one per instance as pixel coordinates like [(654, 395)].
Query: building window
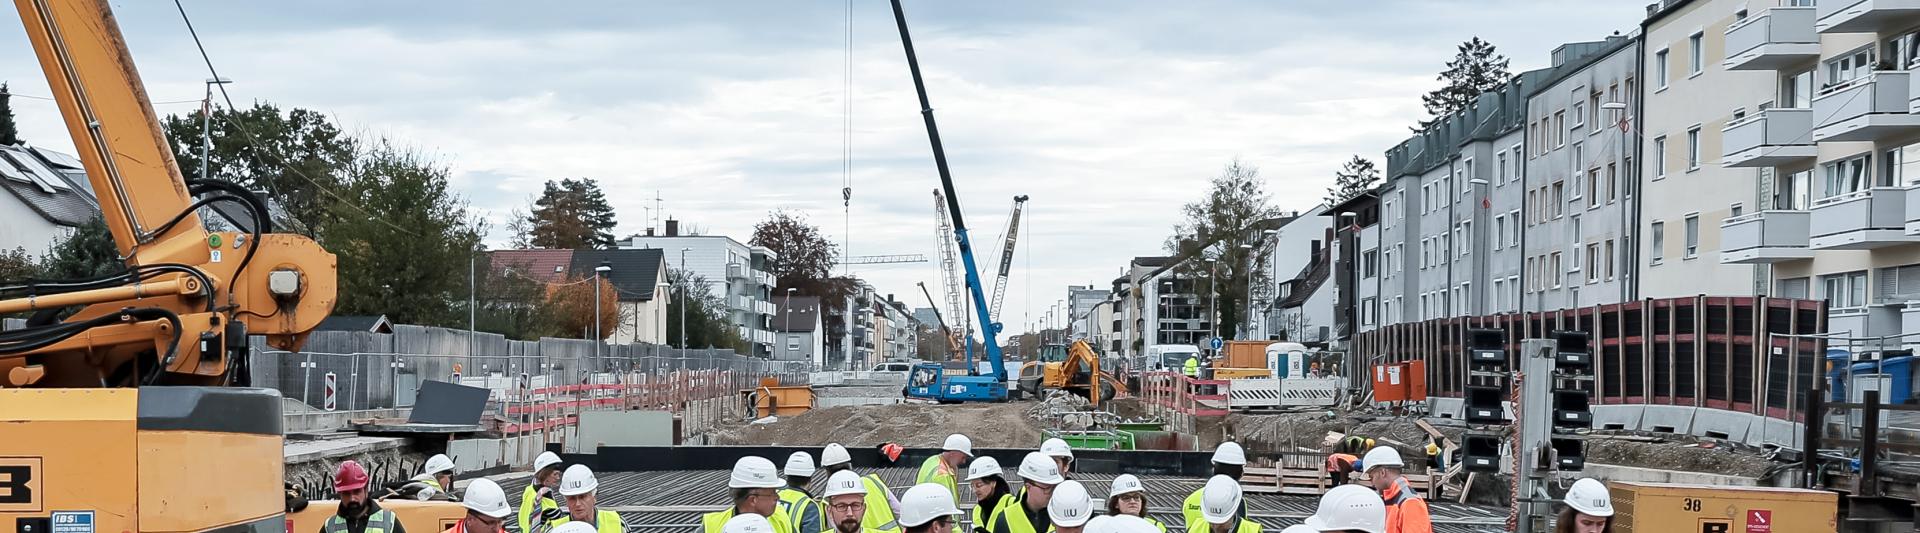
[(1593, 106), (1610, 260), (1466, 180), (1500, 231), (1848, 175), (1696, 55), (1515, 175), (1500, 167), (1796, 91), (1499, 294), (1613, 183), (1902, 166), (1555, 271), (1693, 149), (1593, 187), (1693, 236), (1791, 288), (1366, 311), (1656, 245), (1659, 157), (1533, 279), (1466, 237), (1844, 291), (1573, 166), (1579, 110), (1848, 67), (1593, 262), (1559, 199), (1559, 129), (1367, 266), (1660, 69)]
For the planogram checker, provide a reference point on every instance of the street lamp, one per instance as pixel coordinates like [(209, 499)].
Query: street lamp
[(1248, 247), (599, 337), (206, 126), (1213, 299), (684, 282)]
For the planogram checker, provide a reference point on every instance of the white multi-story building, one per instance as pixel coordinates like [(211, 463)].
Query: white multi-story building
[(1080, 302), (1578, 181), (737, 273)]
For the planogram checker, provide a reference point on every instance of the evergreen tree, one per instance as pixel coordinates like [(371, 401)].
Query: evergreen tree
[(9, 133), (569, 215), (1476, 69), (1354, 178)]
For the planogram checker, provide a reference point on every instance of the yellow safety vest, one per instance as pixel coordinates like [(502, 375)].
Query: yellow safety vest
[(1191, 511), (879, 515), (1246, 526), (381, 521), (530, 505), (985, 514), (1193, 367), (935, 471), (716, 522), (603, 522), (1156, 523), (802, 511), (1012, 515)]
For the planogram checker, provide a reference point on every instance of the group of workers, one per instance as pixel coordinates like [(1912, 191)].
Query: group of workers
[(769, 499)]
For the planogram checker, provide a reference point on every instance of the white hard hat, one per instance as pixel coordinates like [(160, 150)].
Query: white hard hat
[(574, 527), (799, 464), (1070, 505), (439, 463), (1299, 528), (925, 502), (746, 523), (1125, 484), (577, 480), (1055, 447), (983, 467), (1590, 497), (1039, 468), (1220, 500), (485, 497), (1350, 507), (844, 482), (834, 454), (546, 459), (754, 472), (958, 443), (1230, 453), (1125, 523), (1382, 456)]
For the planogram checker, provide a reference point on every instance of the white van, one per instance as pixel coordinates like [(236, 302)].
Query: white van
[(1168, 356)]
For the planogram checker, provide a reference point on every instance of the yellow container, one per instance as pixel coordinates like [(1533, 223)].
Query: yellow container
[(1670, 508)]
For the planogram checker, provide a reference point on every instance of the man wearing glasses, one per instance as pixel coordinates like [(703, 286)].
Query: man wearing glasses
[(1039, 475), (846, 498), (755, 485)]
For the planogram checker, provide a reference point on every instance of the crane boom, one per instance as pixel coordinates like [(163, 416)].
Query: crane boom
[(1006, 257), (950, 266)]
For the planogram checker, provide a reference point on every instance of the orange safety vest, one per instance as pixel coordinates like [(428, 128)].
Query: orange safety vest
[(1334, 461), (1406, 513)]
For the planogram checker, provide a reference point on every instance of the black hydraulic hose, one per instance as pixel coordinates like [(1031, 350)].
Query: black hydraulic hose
[(262, 221)]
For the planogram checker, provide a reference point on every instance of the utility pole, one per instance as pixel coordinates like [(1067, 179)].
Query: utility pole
[(206, 124), (472, 281), (683, 301)]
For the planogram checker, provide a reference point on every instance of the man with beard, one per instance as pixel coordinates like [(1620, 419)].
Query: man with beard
[(358, 513), (846, 498)]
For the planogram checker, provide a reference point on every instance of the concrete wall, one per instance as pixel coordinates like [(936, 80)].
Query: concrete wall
[(1606, 472), (626, 428)]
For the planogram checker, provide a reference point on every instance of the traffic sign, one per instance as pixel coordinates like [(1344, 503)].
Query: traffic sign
[(332, 388), (1217, 344)]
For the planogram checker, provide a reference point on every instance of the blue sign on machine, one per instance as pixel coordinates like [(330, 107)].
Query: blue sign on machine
[(72, 522), (1217, 344)]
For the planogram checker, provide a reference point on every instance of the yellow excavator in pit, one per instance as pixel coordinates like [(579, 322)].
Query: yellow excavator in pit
[(1074, 368), (131, 414)]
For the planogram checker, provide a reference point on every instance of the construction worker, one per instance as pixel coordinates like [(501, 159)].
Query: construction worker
[(1340, 466), (1062, 455), (989, 485), (1349, 508), (942, 469), (801, 509), (881, 505), (578, 486), (1038, 476), (747, 523), (439, 475), (358, 513), (1229, 459), (755, 484), (487, 509), (846, 502), (1406, 512), (537, 508), (1589, 508), (1222, 509), (573, 527), (1192, 366), (1129, 497), (1070, 507), (928, 508)]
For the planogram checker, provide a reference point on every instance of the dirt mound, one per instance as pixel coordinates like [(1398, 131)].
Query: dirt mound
[(998, 425), (1677, 456)]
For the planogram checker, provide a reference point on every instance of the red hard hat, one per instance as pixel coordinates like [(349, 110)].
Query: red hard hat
[(350, 476)]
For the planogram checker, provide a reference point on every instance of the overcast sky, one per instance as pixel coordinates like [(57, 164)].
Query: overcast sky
[(1108, 114)]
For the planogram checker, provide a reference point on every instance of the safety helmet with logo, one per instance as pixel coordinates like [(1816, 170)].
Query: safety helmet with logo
[(1382, 456), (924, 503), (754, 472), (1125, 484), (958, 443), (1056, 447), (844, 482), (1230, 453), (1590, 497), (834, 454), (1071, 505), (1220, 500), (799, 465), (350, 476), (747, 523), (983, 468), (574, 527), (1350, 508), (1038, 468), (485, 497), (439, 463), (546, 460), (577, 480)]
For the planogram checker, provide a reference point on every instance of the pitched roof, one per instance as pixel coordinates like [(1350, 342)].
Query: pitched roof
[(542, 265), (635, 271), (47, 187), (805, 314)]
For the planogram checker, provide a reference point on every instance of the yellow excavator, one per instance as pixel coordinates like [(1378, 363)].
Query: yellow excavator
[(123, 402), (1074, 368)]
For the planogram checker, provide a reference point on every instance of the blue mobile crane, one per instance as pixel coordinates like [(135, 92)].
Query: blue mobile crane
[(932, 380)]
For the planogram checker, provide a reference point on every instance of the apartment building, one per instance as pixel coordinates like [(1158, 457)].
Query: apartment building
[(1578, 215), (1691, 105), (1358, 264), (1295, 272), (801, 331), (737, 273), (1080, 302)]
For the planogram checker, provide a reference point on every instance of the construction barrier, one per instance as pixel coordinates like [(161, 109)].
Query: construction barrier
[(1186, 395)]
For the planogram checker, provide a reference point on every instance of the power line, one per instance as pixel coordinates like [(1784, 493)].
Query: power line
[(50, 99)]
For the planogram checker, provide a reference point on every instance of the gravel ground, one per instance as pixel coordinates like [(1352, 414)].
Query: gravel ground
[(994, 425)]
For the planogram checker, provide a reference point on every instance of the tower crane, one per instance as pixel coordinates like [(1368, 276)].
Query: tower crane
[(950, 275), (1006, 259)]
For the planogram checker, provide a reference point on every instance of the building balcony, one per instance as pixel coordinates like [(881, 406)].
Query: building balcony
[(1776, 38), (736, 271), (1868, 321), (1770, 138), (1861, 220), (763, 278), (1869, 108), (765, 308), (1865, 16), (1913, 209), (1764, 237)]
